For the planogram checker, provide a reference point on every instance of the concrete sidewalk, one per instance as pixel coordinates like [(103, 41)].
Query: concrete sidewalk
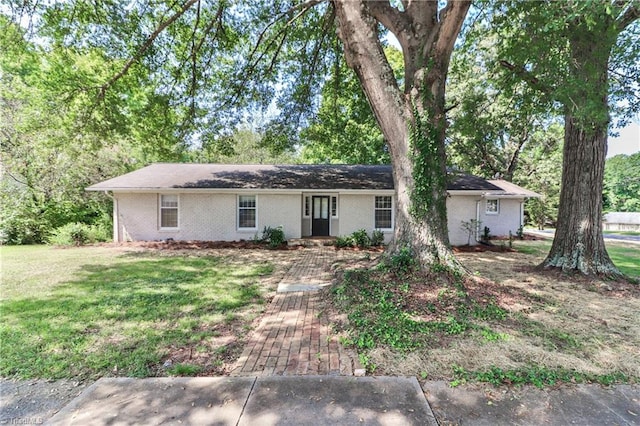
[(310, 400), (340, 400), (485, 405)]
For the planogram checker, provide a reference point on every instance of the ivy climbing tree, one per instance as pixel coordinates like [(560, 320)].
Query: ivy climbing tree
[(413, 120), (218, 59)]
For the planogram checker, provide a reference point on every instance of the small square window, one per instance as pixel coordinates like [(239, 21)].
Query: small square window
[(493, 207)]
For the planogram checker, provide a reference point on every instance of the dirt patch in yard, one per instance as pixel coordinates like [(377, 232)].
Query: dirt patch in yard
[(553, 322)]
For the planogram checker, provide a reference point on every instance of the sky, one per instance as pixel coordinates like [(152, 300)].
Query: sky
[(628, 142)]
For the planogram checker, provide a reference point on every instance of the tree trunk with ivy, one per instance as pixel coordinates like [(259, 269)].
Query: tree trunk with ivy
[(412, 120)]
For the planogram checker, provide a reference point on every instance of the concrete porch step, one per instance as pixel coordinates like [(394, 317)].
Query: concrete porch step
[(311, 241)]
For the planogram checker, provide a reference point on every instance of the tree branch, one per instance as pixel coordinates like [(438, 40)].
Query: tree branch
[(304, 6), (144, 47), (391, 18), (629, 15), (451, 19), (525, 75), (252, 62), (18, 180)]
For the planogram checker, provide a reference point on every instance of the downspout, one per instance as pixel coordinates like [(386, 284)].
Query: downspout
[(478, 219), (522, 214), (116, 224)]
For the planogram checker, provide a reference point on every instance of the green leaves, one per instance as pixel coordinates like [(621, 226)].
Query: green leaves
[(622, 183), (344, 129)]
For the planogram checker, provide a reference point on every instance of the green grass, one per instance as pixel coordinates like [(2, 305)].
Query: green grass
[(622, 232), (533, 375), (625, 256), (95, 311)]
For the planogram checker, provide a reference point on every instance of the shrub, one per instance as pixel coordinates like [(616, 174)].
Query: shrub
[(273, 236), (486, 234), (377, 238), (343, 242), (16, 229), (361, 238), (471, 228), (77, 234)]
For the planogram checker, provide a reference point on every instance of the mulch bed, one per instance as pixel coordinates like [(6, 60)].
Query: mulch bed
[(205, 245), (482, 248)]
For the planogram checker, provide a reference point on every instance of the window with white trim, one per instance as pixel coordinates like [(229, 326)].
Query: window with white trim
[(247, 211), (493, 206), (334, 206), (383, 216), (168, 211)]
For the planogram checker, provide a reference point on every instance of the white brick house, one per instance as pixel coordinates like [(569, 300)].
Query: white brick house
[(216, 202)]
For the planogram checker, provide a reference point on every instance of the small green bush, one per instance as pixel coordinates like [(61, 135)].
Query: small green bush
[(273, 236), (77, 234), (343, 242), (377, 238), (486, 234), (361, 238)]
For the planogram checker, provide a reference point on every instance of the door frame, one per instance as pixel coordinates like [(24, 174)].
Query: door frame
[(328, 219)]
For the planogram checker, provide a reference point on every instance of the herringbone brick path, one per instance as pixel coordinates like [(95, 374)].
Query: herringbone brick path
[(293, 337)]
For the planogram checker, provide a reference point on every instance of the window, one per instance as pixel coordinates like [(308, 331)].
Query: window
[(307, 206), (247, 211), (168, 211), (383, 212), (493, 207), (334, 206)]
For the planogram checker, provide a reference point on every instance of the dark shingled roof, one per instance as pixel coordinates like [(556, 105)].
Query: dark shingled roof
[(296, 177)]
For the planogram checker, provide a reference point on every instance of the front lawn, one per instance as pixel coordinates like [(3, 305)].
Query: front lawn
[(507, 324), (105, 311)]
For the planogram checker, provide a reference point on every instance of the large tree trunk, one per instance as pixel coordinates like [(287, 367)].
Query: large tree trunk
[(412, 122), (578, 244)]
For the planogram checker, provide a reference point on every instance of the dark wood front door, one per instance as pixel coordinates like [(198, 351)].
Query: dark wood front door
[(320, 216)]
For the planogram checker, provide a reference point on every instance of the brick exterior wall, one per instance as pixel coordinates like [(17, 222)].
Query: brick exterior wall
[(508, 219), (463, 208), (460, 208), (208, 217), (213, 216)]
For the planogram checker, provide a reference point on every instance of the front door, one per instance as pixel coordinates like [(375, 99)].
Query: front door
[(320, 216)]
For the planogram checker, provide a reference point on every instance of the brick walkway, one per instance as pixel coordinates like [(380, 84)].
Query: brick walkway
[(293, 337)]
